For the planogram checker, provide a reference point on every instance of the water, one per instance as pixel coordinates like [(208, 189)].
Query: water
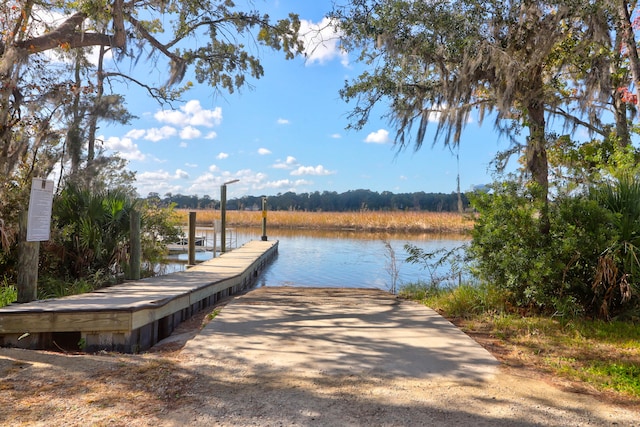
[(342, 259)]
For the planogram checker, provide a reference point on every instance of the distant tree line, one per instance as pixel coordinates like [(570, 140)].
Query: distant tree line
[(328, 201)]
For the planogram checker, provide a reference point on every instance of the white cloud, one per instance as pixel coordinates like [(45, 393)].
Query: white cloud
[(379, 137), (191, 165), (283, 121), (213, 168), (283, 184), (336, 136), (183, 144), (204, 184), (160, 181), (311, 170), (135, 133), (211, 135), (190, 132), (289, 163), (190, 114), (125, 147), (222, 156), (162, 175), (181, 174), (322, 42), (264, 151), (155, 134)]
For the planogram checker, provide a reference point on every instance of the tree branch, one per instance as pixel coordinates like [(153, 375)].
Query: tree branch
[(178, 64), (67, 36), (576, 121), (154, 92)]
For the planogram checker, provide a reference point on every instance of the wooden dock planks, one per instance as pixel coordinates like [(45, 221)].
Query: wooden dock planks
[(135, 315)]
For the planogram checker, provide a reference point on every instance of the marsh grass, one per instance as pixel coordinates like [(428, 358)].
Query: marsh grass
[(592, 354), (397, 221)]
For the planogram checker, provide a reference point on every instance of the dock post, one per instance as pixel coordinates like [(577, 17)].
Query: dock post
[(28, 256), (134, 244), (192, 240), (264, 218)]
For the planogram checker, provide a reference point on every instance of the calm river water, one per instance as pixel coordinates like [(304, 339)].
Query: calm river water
[(337, 259)]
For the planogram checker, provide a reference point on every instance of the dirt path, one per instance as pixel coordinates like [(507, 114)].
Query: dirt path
[(170, 387)]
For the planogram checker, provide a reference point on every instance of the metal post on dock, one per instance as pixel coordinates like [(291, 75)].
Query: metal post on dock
[(264, 218), (223, 214)]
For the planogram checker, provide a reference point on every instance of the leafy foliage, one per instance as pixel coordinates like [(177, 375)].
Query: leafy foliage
[(617, 279), (551, 274), (91, 232), (50, 104), (159, 227), (589, 265), (437, 62)]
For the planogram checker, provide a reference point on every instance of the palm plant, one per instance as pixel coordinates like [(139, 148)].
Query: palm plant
[(92, 230), (617, 279)]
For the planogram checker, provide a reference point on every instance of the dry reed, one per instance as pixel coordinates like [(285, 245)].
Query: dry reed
[(396, 221)]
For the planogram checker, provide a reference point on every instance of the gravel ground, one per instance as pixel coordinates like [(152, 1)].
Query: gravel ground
[(175, 386)]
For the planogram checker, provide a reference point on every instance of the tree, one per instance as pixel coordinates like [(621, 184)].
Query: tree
[(439, 61), (208, 36)]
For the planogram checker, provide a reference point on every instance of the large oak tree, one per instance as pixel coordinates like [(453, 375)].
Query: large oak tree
[(521, 62)]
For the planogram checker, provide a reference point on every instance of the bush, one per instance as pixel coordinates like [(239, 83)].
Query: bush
[(8, 293), (91, 231), (551, 273)]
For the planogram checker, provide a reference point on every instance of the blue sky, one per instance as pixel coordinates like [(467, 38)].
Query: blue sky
[(287, 133)]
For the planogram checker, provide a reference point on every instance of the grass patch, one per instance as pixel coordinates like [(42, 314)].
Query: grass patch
[(576, 350), (599, 355), (462, 301)]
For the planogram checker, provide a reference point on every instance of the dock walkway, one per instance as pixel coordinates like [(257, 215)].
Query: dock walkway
[(135, 315)]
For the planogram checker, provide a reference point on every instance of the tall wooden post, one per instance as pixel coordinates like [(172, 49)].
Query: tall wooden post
[(264, 218), (134, 245), (28, 256), (192, 239)]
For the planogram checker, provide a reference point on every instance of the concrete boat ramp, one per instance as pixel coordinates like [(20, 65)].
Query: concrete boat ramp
[(339, 331)]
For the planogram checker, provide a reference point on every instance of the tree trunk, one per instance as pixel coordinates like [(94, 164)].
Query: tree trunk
[(625, 27), (537, 161)]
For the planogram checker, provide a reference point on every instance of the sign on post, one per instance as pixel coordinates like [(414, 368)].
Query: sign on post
[(40, 204)]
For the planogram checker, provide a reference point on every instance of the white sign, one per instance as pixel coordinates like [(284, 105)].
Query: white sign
[(40, 204)]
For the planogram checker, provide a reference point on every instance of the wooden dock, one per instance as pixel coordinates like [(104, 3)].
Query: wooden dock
[(135, 315)]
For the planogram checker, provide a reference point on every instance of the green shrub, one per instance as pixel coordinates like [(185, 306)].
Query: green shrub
[(542, 273), (616, 284), (90, 234), (50, 287), (8, 293)]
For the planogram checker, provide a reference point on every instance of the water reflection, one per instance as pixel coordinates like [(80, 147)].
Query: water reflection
[(341, 258)]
